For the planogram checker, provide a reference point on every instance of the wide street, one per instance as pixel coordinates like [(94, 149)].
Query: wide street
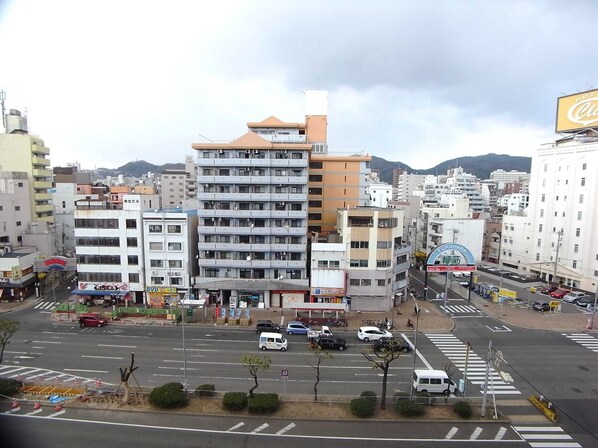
[(560, 366)]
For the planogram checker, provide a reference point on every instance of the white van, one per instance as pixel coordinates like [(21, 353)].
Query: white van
[(272, 341), (432, 381)]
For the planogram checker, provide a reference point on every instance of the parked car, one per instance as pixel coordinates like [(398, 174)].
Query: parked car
[(92, 320), (541, 306), (329, 342), (296, 327), (372, 334), (559, 293), (548, 289), (266, 325), (585, 302), (573, 296), (393, 345)]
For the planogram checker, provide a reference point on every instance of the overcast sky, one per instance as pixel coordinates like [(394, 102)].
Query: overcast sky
[(108, 82)]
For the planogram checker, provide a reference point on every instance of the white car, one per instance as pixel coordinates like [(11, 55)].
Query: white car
[(372, 334), (572, 297)]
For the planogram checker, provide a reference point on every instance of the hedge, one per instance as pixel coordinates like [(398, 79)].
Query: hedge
[(370, 395), (205, 390), (9, 387), (235, 401), (362, 407), (463, 409), (408, 408), (263, 403), (169, 396)]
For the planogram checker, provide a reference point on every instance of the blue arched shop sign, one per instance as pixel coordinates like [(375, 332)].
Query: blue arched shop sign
[(450, 257)]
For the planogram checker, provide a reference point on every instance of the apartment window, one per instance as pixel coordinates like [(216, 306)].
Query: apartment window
[(131, 224), (543, 197), (366, 282), (335, 264), (17, 208), (584, 166), (175, 246), (360, 244), (578, 232), (315, 191), (540, 227), (133, 277), (541, 213), (358, 263), (132, 260), (155, 228), (316, 165), (382, 263), (131, 242), (174, 228), (315, 178), (545, 167), (323, 263), (20, 184), (539, 242), (557, 198), (543, 182), (156, 263), (581, 198), (175, 281), (576, 248), (156, 245), (583, 181), (354, 282), (537, 257), (157, 280), (211, 272), (384, 244), (315, 204), (574, 264), (314, 216), (579, 215), (18, 223), (175, 264)]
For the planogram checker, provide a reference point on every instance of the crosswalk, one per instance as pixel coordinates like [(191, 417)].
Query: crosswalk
[(546, 436), (588, 341), (461, 310), (30, 374), (472, 366), (45, 307)]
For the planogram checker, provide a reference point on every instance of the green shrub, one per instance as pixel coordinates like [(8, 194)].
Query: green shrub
[(9, 387), (370, 395), (169, 396), (235, 401), (463, 409), (263, 403), (205, 390), (362, 407), (424, 398), (408, 408)]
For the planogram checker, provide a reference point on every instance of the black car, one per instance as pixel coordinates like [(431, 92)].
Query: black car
[(541, 306), (548, 289), (585, 301), (267, 326), (327, 342), (387, 344)]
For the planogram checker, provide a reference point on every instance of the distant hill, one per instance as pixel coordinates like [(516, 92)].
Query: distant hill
[(481, 166)]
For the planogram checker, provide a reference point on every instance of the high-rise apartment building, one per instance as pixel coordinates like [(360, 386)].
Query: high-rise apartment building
[(22, 152)]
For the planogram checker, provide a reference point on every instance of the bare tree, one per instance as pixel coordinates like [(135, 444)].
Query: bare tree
[(254, 363), (318, 356), (381, 359), (125, 374), (7, 330)]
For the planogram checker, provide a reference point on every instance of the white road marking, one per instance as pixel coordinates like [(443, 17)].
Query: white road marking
[(237, 426), (56, 414), (451, 433), (117, 346), (476, 433), (83, 370), (101, 357), (37, 411), (286, 428), (260, 428), (47, 342), (501, 433)]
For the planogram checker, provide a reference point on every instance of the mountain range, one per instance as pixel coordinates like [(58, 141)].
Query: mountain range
[(480, 166)]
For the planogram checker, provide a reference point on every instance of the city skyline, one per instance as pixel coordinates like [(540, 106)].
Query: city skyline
[(106, 83)]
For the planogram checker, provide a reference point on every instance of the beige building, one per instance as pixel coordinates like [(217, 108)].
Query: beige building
[(25, 153)]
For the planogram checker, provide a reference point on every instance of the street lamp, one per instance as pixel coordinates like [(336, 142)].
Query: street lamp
[(414, 351)]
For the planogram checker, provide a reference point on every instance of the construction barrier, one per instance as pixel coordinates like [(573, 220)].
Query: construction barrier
[(545, 406)]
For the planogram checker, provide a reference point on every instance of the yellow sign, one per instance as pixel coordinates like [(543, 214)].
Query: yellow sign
[(577, 111), (16, 273), (507, 293)]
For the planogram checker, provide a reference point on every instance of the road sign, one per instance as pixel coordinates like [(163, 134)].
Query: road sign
[(284, 373)]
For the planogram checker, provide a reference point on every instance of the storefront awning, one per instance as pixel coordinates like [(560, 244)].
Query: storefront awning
[(91, 292)]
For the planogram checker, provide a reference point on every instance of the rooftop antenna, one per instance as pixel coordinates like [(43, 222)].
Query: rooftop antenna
[(2, 98)]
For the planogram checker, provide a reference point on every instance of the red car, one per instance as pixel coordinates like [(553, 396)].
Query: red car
[(92, 320), (559, 293), (548, 289)]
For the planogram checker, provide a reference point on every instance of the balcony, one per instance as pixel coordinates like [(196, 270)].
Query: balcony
[(41, 173), (39, 185), (40, 161), (37, 149), (42, 196)]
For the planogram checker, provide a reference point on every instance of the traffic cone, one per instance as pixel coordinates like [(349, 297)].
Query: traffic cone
[(15, 404), (37, 406), (58, 407)]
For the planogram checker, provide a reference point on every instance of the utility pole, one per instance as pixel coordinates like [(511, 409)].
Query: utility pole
[(556, 260), (488, 361)]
